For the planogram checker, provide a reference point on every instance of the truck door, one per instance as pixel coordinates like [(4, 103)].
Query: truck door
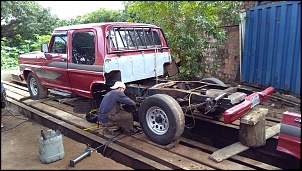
[(55, 68), (81, 69)]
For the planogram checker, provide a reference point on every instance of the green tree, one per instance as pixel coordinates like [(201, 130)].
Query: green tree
[(101, 15), (26, 24), (191, 28), (68, 22), (25, 18)]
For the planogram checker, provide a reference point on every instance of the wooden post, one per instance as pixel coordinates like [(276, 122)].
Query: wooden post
[(252, 128)]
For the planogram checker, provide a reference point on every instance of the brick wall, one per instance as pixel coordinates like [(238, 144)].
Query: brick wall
[(229, 52)]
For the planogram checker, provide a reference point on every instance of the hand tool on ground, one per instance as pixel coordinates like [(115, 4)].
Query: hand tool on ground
[(82, 156)]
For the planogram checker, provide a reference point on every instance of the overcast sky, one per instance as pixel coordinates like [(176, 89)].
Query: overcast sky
[(71, 9)]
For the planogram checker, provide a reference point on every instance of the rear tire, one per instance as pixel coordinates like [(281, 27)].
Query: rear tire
[(36, 90), (161, 118)]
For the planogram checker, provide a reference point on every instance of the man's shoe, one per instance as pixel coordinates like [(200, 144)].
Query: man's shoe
[(132, 132), (108, 124), (114, 127), (113, 132)]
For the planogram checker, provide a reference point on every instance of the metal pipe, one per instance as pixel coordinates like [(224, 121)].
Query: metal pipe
[(82, 156), (241, 41), (220, 97)]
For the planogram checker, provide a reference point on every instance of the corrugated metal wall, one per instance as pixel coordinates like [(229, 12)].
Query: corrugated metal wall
[(272, 46)]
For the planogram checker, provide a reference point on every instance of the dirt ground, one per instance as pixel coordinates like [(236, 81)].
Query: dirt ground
[(20, 148)]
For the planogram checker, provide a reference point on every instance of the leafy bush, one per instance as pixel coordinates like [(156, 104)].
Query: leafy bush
[(35, 46), (9, 55), (191, 28)]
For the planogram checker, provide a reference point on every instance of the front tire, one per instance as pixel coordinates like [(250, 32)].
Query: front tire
[(161, 118), (36, 90)]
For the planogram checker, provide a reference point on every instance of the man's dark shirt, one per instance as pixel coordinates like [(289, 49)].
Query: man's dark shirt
[(110, 100)]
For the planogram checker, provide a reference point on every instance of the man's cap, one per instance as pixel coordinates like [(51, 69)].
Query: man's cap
[(118, 84)]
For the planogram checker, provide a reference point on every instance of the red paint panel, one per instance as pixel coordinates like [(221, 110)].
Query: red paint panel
[(290, 145), (289, 118), (239, 110)]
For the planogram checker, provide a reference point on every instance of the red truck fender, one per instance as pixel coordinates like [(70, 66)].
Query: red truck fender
[(289, 140)]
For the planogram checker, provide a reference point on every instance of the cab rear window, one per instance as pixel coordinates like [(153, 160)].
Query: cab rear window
[(133, 38)]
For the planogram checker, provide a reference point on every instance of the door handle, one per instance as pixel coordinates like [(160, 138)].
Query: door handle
[(63, 59), (297, 120)]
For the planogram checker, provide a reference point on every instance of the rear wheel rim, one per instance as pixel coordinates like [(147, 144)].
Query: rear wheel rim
[(157, 120), (33, 86)]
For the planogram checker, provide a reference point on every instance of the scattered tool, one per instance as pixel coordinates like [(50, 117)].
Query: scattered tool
[(85, 129), (82, 156)]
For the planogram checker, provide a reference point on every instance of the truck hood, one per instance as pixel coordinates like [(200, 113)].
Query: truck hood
[(31, 54)]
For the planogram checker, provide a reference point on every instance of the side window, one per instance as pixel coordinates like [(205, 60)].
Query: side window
[(59, 44), (83, 49)]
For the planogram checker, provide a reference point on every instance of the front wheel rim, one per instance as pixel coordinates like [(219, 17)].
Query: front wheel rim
[(157, 120), (33, 86)]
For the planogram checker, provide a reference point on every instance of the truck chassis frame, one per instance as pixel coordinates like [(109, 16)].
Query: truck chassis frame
[(162, 104)]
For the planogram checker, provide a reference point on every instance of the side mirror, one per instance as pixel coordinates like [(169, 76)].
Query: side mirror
[(44, 47)]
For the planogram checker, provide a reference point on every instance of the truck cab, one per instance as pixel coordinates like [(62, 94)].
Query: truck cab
[(87, 58)]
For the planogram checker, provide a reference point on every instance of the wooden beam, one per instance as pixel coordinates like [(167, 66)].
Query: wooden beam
[(236, 148), (42, 100), (227, 164)]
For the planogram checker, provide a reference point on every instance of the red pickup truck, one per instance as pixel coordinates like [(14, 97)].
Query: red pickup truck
[(85, 60)]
